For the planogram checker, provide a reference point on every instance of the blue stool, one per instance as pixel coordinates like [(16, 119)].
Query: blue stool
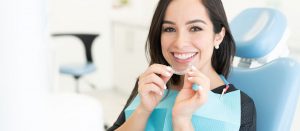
[(274, 86), (80, 70)]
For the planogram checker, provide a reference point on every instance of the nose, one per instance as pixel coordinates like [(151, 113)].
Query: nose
[(182, 40)]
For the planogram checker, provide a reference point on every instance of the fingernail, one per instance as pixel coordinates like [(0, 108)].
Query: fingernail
[(190, 78), (200, 87), (190, 72), (169, 68), (193, 67), (168, 74), (165, 87)]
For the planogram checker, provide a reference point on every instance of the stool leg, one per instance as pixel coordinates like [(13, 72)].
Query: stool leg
[(77, 83)]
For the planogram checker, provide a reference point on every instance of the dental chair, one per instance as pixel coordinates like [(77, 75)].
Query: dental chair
[(264, 71)]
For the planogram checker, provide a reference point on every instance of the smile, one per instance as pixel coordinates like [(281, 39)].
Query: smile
[(184, 56)]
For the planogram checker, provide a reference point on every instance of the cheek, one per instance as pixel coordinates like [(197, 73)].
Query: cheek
[(203, 43), (205, 47), (165, 43)]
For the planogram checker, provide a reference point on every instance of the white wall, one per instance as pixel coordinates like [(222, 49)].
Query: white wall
[(24, 64), (291, 9)]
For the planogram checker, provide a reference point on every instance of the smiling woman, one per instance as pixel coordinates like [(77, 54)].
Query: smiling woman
[(190, 35)]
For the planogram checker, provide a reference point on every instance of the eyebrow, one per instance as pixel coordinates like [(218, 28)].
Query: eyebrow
[(189, 22)]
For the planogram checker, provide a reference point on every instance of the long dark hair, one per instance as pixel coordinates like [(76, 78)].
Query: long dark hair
[(221, 59)]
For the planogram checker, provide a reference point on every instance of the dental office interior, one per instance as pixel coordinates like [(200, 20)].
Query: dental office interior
[(72, 64)]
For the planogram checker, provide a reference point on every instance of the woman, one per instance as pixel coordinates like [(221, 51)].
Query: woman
[(184, 32)]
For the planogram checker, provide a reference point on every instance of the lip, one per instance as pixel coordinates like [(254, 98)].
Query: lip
[(184, 61)]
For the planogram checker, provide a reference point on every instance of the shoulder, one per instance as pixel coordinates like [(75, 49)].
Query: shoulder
[(248, 111), (247, 103), (245, 99)]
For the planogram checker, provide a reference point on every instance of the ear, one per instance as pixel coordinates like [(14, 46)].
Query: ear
[(219, 37)]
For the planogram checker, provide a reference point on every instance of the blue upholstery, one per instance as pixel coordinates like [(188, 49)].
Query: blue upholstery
[(274, 86), (77, 70), (257, 31)]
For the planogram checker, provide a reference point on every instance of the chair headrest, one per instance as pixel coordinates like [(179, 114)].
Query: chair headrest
[(257, 31)]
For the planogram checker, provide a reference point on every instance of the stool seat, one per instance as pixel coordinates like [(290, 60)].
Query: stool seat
[(77, 69)]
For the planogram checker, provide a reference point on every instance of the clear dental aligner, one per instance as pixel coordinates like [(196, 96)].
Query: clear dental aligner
[(182, 72), (195, 87)]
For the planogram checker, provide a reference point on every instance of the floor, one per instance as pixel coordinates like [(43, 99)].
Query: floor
[(112, 102), (111, 99)]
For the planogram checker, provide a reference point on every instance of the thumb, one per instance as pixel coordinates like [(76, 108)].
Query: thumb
[(166, 79)]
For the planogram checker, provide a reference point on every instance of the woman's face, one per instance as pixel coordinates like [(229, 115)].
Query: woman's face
[(188, 36)]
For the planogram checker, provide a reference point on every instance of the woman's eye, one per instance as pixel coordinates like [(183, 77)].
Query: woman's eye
[(195, 28), (169, 29)]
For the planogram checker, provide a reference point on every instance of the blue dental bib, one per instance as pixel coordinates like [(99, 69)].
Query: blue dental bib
[(215, 115)]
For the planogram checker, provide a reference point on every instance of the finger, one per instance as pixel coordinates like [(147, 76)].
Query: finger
[(187, 84), (200, 97), (197, 87), (201, 94), (166, 79), (160, 69), (148, 88), (197, 77), (153, 78), (198, 81), (195, 72)]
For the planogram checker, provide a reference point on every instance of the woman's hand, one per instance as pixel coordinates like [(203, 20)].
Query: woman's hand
[(152, 84), (188, 100)]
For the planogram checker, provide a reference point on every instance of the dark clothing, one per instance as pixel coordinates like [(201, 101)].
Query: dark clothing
[(248, 112)]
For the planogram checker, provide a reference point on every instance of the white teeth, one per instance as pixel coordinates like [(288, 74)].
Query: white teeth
[(184, 56)]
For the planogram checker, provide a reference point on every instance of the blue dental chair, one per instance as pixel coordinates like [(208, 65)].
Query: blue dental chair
[(273, 84)]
